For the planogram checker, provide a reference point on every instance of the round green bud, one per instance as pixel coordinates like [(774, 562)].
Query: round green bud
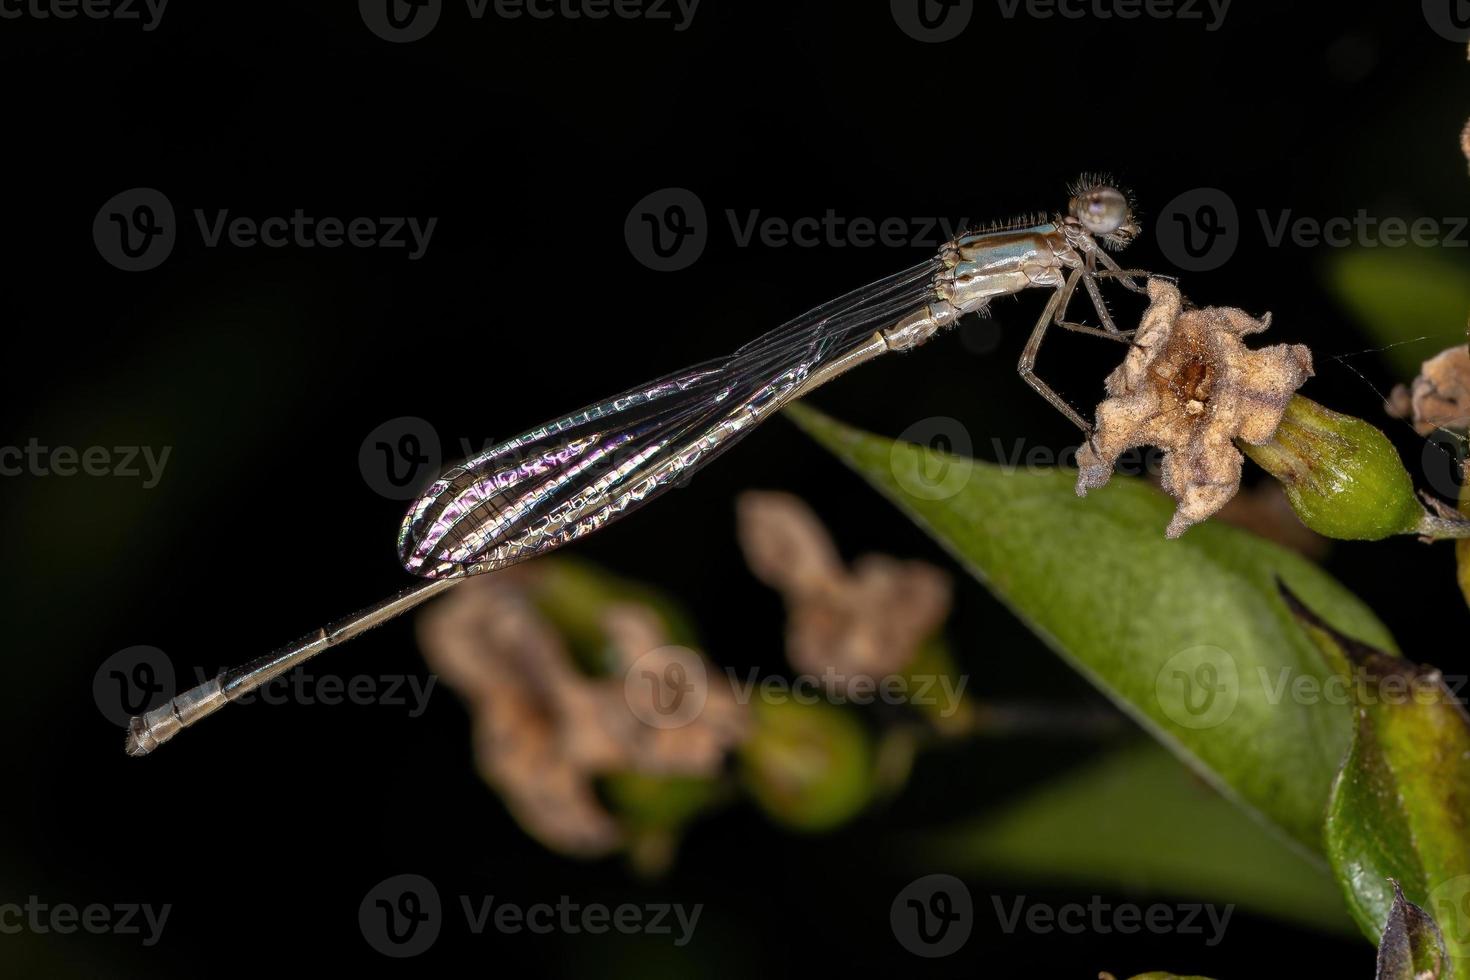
[(1343, 477), (809, 766)]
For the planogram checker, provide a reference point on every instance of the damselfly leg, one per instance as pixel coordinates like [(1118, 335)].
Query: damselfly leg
[(1055, 315)]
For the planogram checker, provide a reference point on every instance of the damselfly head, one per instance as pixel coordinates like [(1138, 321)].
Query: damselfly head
[(1105, 211)]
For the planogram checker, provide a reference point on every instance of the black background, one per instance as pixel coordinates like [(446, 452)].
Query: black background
[(530, 140)]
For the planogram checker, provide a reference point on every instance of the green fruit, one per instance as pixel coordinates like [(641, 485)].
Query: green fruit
[(809, 766), (1343, 477)]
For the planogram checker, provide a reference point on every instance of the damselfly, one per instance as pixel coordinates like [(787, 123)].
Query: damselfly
[(571, 476)]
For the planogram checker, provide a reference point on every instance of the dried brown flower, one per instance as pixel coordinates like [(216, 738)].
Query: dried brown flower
[(1190, 386), (843, 626), (544, 731), (1440, 396)]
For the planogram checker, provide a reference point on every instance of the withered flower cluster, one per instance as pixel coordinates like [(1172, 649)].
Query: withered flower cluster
[(845, 626), (1190, 386), (544, 730), (1439, 398)]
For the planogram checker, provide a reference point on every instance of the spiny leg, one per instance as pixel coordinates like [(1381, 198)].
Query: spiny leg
[(1100, 305), (1109, 329), (1028, 357), (1125, 276)]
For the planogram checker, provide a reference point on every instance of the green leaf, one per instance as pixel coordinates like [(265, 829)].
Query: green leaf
[(1188, 636), (1138, 820), (1400, 808), (1402, 294), (1412, 947)]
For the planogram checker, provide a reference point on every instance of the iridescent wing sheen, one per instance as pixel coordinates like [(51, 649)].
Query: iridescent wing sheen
[(573, 475)]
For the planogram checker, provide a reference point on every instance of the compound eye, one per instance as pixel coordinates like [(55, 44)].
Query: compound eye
[(1102, 210)]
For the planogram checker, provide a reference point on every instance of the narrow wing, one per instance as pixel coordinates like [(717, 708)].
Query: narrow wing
[(571, 476)]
